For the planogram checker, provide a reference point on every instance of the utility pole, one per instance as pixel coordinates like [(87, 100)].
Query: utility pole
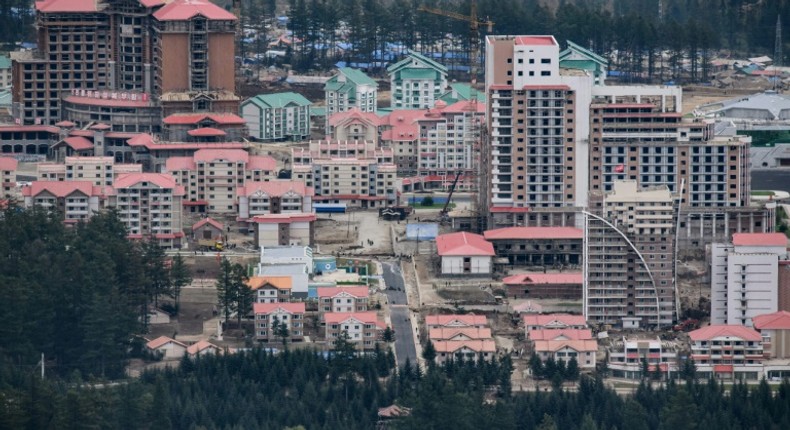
[(777, 52), (42, 365)]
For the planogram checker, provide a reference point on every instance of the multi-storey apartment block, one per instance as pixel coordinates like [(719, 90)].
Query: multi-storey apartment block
[(356, 173), (5, 72), (727, 352), (274, 197), (343, 299), (98, 170), (280, 116), (350, 88), (213, 177), (745, 277), (150, 206), (76, 200), (417, 82), (363, 328), (629, 261), (267, 315), (353, 124), (271, 289), (8, 168), (627, 357)]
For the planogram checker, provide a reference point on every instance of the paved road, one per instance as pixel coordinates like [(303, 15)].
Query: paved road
[(399, 314)]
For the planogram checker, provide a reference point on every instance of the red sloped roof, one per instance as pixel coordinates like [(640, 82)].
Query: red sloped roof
[(64, 124), (58, 188), (339, 317), (206, 132), (54, 6), (173, 164), (544, 278), (554, 334), (448, 333), (222, 154), (275, 188), (100, 126), (773, 321), (8, 163), (534, 233), (535, 40), (334, 291), (759, 239), (200, 346), (267, 308), (354, 113), (152, 3), (78, 143), (262, 162), (481, 345), (161, 341), (208, 220), (713, 331), (194, 118), (284, 218), (162, 180), (546, 319), (182, 10), (456, 320), (463, 243), (588, 345)]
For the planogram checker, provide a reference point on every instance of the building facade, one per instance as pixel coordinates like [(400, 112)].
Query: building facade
[(363, 328), (627, 357), (727, 352), (76, 200), (269, 315), (8, 168), (538, 246), (150, 206), (98, 170), (417, 82), (350, 88), (280, 116), (343, 299), (464, 253)]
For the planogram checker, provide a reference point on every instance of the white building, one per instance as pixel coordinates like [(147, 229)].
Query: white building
[(76, 200), (465, 253), (293, 261), (626, 357), (745, 277), (280, 116), (350, 88), (727, 352), (417, 82)]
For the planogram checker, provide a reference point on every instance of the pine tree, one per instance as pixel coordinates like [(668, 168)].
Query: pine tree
[(388, 335), (180, 277), (429, 353), (225, 287), (572, 371), (280, 330), (536, 366)]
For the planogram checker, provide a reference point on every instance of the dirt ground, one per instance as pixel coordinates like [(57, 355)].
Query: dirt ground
[(353, 233)]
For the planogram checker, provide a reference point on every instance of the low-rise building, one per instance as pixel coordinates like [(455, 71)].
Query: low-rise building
[(584, 351), (271, 289), (464, 253), (627, 357), (539, 246), (343, 299), (727, 352), (76, 200), (8, 168), (353, 124), (417, 82), (545, 285), (293, 261), (460, 333), (203, 347), (166, 347), (560, 334), (464, 350), (268, 315), (208, 229), (279, 116), (553, 321), (775, 331), (455, 321), (363, 328), (294, 229), (150, 206), (350, 88)]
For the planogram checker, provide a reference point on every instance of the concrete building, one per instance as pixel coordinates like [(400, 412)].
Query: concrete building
[(350, 88), (562, 348), (745, 277), (8, 168), (775, 330), (213, 177), (629, 262), (98, 170), (553, 321), (761, 108), (626, 357), (274, 197), (464, 350), (358, 173), (577, 57), (208, 229), (76, 200), (567, 285), (279, 116), (455, 321), (29, 140), (284, 229), (267, 315), (538, 246), (271, 289), (363, 328), (727, 352), (293, 261), (417, 82), (451, 333), (464, 253), (343, 299), (353, 124), (150, 206), (204, 126)]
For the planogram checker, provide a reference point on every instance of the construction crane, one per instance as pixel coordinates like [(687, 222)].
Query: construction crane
[(474, 32)]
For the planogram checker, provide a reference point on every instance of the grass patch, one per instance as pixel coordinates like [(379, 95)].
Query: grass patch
[(762, 193)]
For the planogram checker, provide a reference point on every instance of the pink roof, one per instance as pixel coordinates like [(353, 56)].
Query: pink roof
[(78, 143), (553, 334), (400, 125), (206, 132), (456, 320), (534, 233), (773, 321), (100, 126), (463, 243), (108, 102), (152, 3), (713, 331), (555, 319), (535, 40), (194, 118), (175, 164), (284, 218), (465, 106), (54, 6), (556, 345), (64, 124), (486, 345), (448, 333), (83, 133), (200, 346), (352, 114), (30, 128), (58, 188), (162, 180), (183, 10), (162, 341), (222, 154), (759, 239), (210, 221), (262, 162), (275, 188), (544, 278), (330, 292), (339, 317), (267, 308), (8, 163)]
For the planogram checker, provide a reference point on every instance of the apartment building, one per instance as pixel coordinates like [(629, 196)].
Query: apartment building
[(98, 170), (629, 261), (274, 197), (417, 82), (455, 321), (8, 168), (627, 357), (363, 328), (745, 277), (5, 72), (350, 88), (353, 124), (150, 206), (268, 315), (278, 116), (271, 289), (464, 350), (565, 345), (343, 299), (76, 200), (541, 246), (727, 352), (357, 173), (553, 322), (213, 177), (460, 337)]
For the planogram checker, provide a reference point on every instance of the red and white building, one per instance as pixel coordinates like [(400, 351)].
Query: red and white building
[(456, 321), (271, 289), (150, 206), (464, 350), (343, 299), (461, 333), (545, 285), (99, 170), (290, 314), (77, 200), (464, 253), (775, 331), (727, 352), (561, 348), (538, 246), (8, 168), (166, 347), (626, 357), (554, 321), (353, 124), (363, 328)]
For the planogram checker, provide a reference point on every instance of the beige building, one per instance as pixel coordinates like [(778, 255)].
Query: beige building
[(8, 168), (289, 314), (629, 259), (464, 350), (150, 206), (343, 299), (363, 328), (356, 173), (271, 289), (76, 200), (274, 197), (212, 177), (775, 330), (353, 124), (98, 170)]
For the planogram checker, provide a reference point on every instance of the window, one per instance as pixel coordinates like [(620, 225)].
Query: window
[(545, 61)]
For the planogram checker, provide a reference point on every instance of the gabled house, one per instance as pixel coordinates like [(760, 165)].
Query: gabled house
[(456, 321), (271, 289), (343, 299), (463, 350), (166, 347), (775, 330), (564, 349), (464, 253), (350, 88), (554, 321), (727, 352), (291, 315), (457, 334), (363, 328), (353, 124), (203, 347), (417, 82), (208, 229), (577, 57)]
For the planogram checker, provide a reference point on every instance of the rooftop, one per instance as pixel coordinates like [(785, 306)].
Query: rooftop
[(456, 320), (363, 317), (278, 282), (194, 118), (478, 345), (267, 308), (534, 233), (463, 244), (544, 278), (561, 334), (449, 333), (161, 180), (8, 163), (715, 331), (759, 239), (774, 321), (357, 292), (275, 188), (536, 40), (201, 345), (588, 345), (558, 320), (210, 221), (279, 100), (183, 10), (162, 341)]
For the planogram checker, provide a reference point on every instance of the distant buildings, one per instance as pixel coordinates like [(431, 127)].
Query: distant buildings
[(270, 316), (150, 206), (627, 357), (460, 337), (76, 200), (363, 328), (561, 337), (278, 116), (538, 246), (464, 253), (727, 352), (350, 88), (8, 168), (417, 82), (5, 72), (98, 170)]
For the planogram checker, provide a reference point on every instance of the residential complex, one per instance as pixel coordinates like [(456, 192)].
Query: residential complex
[(270, 316), (271, 289), (350, 88), (150, 206), (363, 328), (8, 168), (460, 337), (342, 299), (279, 116), (98, 170), (76, 200), (417, 82), (627, 357), (464, 253), (727, 352)]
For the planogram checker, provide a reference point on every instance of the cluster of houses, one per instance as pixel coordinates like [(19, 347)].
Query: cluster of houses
[(460, 337)]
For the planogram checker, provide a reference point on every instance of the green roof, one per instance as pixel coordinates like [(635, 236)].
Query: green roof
[(354, 77), (418, 74), (279, 100), (5, 98), (5, 62), (581, 64), (572, 47), (461, 92), (419, 57), (317, 111), (357, 76)]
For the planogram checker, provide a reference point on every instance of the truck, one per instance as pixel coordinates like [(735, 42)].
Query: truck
[(210, 245)]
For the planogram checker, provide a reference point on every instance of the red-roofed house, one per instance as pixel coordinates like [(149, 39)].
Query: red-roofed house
[(280, 212), (271, 289), (181, 126), (727, 351), (77, 200), (343, 299), (213, 177), (353, 124), (364, 328), (464, 350), (8, 167), (456, 321), (267, 314), (166, 347), (464, 253), (203, 347), (149, 204), (562, 349), (775, 330), (745, 277), (542, 246), (554, 321), (566, 285), (462, 333), (560, 334), (208, 229)]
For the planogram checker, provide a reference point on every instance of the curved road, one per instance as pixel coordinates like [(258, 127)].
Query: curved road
[(399, 314)]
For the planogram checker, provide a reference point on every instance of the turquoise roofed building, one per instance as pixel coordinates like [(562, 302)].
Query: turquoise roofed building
[(5, 72), (461, 92), (278, 116), (576, 57), (350, 88), (417, 82)]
